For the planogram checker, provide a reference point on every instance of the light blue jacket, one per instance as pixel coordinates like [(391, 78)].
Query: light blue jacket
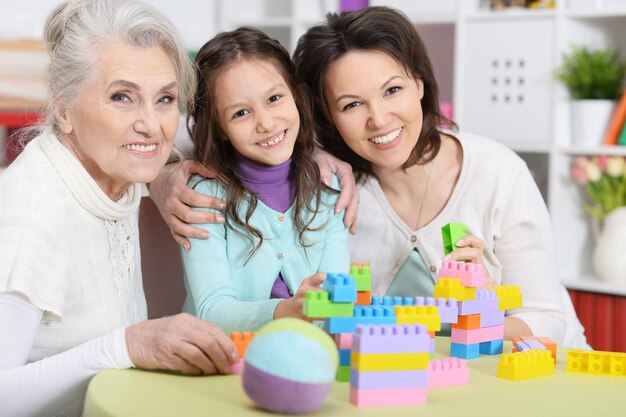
[(225, 290)]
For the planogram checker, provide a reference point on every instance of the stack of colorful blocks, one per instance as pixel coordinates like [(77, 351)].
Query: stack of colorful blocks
[(389, 365)]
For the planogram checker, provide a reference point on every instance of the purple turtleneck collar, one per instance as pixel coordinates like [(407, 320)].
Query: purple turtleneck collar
[(271, 183)]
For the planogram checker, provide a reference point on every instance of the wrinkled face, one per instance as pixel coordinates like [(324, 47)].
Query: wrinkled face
[(257, 111), (375, 105), (124, 121)]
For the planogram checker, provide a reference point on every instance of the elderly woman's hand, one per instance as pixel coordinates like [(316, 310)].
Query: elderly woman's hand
[(349, 196), (181, 343), (470, 249), (174, 199)]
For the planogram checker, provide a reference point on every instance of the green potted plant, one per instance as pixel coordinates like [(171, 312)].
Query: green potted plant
[(594, 79)]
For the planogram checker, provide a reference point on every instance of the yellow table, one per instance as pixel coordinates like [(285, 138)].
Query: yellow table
[(136, 393)]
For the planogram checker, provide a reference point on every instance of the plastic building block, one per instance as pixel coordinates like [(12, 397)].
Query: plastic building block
[(362, 275), (237, 369), (344, 357), (492, 318), (528, 344), (391, 339), (523, 365), (469, 322), (340, 287), (596, 362), (484, 302), (425, 315), (241, 341), (389, 379), (493, 347), (374, 315), (484, 334), (448, 308), (363, 298), (344, 340), (447, 371), (460, 350), (389, 361), (381, 397), (382, 301), (548, 343), (334, 325), (510, 296), (450, 234), (343, 374), (470, 274), (452, 288), (318, 304)]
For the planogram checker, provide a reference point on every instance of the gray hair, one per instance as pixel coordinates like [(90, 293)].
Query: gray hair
[(75, 31)]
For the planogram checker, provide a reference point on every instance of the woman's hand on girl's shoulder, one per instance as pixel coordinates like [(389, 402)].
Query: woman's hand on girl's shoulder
[(174, 199)]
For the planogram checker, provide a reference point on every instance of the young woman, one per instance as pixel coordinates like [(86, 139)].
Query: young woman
[(251, 122)]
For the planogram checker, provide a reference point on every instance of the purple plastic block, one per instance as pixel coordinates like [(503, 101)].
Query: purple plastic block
[(391, 339), (523, 345), (431, 349), (448, 310), (388, 379), (492, 318), (485, 301)]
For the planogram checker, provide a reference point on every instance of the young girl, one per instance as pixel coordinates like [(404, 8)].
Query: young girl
[(252, 123)]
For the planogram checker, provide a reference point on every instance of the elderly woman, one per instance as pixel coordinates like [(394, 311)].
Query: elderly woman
[(71, 298)]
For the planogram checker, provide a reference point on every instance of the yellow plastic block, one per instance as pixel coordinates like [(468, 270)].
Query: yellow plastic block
[(452, 288), (527, 364), (596, 362), (510, 296), (389, 361), (425, 315)]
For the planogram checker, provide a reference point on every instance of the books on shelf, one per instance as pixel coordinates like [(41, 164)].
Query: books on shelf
[(615, 133)]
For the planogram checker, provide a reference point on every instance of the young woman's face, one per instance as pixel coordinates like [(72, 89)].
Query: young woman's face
[(257, 111), (375, 106), (124, 122)]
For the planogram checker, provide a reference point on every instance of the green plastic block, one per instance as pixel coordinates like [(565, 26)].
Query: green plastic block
[(317, 304), (362, 275), (451, 233), (343, 374)]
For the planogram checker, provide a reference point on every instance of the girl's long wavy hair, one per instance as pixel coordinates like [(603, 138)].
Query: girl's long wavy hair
[(210, 148), (380, 29)]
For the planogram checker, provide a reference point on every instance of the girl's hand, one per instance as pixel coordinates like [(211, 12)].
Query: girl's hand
[(292, 307), (174, 199), (181, 343), (471, 250), (349, 196)]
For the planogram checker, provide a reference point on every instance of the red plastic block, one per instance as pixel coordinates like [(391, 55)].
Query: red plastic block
[(447, 371), (391, 339), (385, 397), (241, 341), (470, 337)]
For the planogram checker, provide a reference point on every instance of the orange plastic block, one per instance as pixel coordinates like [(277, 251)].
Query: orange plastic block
[(425, 315), (510, 296), (596, 362), (363, 298), (452, 288), (470, 322), (241, 341)]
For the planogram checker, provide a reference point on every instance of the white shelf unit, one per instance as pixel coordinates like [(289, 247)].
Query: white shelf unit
[(497, 68)]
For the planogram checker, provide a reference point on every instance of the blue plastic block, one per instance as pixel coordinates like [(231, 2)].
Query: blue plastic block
[(341, 288), (344, 357), (334, 325), (493, 347), (381, 301), (459, 350), (374, 315)]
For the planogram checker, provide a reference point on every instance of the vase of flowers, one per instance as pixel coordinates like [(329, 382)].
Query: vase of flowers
[(604, 180)]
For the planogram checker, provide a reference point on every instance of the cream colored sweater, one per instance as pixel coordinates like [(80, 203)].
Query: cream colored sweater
[(497, 198)]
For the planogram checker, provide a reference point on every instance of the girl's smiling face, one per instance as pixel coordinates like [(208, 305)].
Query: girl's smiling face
[(257, 111)]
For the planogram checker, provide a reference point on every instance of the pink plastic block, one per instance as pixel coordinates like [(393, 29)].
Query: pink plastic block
[(484, 302), (343, 340), (237, 369), (469, 337), (448, 269), (448, 308), (391, 339), (447, 371), (384, 397), (388, 379), (492, 318), (471, 275), (523, 345)]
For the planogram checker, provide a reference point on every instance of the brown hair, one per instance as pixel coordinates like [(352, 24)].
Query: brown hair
[(375, 29), (224, 50)]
